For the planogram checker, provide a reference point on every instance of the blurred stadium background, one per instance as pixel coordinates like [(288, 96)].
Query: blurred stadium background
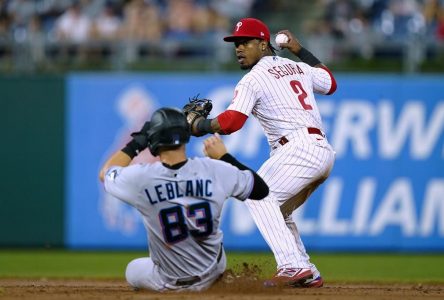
[(79, 76), (350, 35)]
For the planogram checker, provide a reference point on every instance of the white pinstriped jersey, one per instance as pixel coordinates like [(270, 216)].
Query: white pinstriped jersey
[(181, 208), (279, 93)]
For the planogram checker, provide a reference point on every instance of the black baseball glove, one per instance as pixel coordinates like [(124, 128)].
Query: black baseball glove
[(139, 141), (141, 137), (197, 108)]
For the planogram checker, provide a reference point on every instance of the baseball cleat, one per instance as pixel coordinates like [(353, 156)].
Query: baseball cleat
[(289, 277), (311, 283)]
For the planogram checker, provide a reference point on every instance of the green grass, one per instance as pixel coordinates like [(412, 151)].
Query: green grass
[(341, 267)]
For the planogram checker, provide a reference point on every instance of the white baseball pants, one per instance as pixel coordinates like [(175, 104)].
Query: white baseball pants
[(293, 171)]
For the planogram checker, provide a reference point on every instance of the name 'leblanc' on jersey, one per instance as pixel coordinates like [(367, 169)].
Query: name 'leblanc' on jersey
[(198, 188)]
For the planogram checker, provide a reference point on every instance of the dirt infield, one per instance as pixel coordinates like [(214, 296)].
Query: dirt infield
[(239, 289)]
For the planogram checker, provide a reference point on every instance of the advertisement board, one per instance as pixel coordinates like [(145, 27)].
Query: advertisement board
[(386, 191)]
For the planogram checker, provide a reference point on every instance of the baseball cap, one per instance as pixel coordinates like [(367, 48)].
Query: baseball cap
[(249, 27)]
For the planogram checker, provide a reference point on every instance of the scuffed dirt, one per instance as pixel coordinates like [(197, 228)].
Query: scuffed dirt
[(238, 284)]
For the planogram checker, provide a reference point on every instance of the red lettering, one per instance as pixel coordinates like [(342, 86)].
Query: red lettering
[(289, 70), (271, 71), (302, 94), (279, 72), (283, 70), (299, 70)]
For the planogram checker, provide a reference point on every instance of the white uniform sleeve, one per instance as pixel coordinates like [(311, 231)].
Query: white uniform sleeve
[(321, 80), (244, 98), (235, 183), (121, 183)]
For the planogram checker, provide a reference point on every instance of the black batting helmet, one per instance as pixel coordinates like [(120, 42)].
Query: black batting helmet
[(168, 127)]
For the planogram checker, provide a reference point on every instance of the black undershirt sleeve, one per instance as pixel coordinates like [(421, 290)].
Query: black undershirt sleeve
[(260, 188), (308, 57), (204, 127)]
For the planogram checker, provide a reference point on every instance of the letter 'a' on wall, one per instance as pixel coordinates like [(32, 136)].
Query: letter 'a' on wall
[(386, 191)]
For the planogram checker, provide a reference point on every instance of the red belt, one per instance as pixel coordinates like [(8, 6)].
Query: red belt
[(311, 130)]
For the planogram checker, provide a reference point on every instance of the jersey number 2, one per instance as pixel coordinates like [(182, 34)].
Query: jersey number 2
[(173, 222), (302, 94)]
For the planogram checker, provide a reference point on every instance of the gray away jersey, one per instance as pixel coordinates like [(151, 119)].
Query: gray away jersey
[(181, 208)]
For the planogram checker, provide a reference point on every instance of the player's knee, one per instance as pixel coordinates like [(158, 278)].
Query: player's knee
[(131, 273), (137, 271)]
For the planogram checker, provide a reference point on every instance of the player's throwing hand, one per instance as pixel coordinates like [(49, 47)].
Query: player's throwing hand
[(214, 147), (293, 43)]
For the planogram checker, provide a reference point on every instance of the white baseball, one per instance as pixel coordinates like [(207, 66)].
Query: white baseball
[(281, 38)]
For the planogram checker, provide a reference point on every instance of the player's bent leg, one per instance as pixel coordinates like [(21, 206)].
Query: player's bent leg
[(140, 274), (269, 219), (287, 209), (301, 248), (290, 205), (270, 222)]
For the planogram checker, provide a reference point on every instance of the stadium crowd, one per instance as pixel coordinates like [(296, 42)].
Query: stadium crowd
[(393, 19), (409, 29), (82, 20), (49, 27)]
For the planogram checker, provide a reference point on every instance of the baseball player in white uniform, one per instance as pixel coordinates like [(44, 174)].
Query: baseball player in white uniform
[(180, 200), (279, 92)]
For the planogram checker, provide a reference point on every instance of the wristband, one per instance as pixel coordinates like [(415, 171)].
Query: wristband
[(227, 157), (308, 57), (204, 127), (131, 149)]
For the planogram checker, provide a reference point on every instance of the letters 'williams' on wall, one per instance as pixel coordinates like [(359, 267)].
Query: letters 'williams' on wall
[(386, 191)]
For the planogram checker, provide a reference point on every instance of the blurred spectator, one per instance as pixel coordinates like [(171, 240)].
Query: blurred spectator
[(208, 23), (179, 17), (21, 11), (401, 19), (50, 10), (233, 9), (107, 24), (202, 22), (338, 14), (73, 26), (36, 40), (4, 22), (434, 18), (440, 28), (4, 28), (142, 21), (92, 8)]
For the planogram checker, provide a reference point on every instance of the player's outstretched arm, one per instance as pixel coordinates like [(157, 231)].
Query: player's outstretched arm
[(119, 158), (123, 158), (215, 148), (225, 123)]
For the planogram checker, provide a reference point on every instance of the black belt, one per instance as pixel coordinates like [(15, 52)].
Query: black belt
[(311, 130), (195, 279), (188, 281)]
